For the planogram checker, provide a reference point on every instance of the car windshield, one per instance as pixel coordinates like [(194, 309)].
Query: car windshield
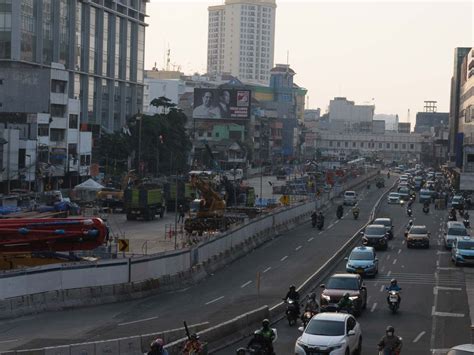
[(361, 255), (343, 283), (403, 190), (418, 230), (385, 222), (350, 194), (467, 245), (372, 230), (394, 195), (325, 327), (461, 232), (457, 198)]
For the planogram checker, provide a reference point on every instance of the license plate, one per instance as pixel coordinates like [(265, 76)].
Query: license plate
[(393, 299), (360, 271)]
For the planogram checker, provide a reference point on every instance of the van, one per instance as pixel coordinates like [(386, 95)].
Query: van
[(350, 198), (454, 230)]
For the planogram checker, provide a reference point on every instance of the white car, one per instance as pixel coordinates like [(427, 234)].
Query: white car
[(393, 197), (330, 333), (350, 198)]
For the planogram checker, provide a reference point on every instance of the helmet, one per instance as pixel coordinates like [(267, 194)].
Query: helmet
[(157, 343), (346, 295), (390, 329), (292, 287), (194, 336), (312, 296), (265, 323), (393, 281)]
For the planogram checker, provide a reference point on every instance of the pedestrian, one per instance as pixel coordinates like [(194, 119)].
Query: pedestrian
[(181, 214)]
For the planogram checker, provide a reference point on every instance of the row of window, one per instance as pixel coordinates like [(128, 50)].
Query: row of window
[(379, 145)]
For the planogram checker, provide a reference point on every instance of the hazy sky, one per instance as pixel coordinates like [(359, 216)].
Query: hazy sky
[(398, 52)]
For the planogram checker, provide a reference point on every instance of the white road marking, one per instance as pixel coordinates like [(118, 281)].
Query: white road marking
[(399, 251), (446, 314), (298, 247), (246, 284), (214, 300), (310, 239), (382, 287), (443, 288), (336, 221), (418, 337), (437, 263), (447, 268), (8, 341), (330, 226), (442, 252), (403, 242), (373, 307), (267, 269), (388, 256), (389, 272), (137, 321), (320, 232), (394, 261), (284, 258)]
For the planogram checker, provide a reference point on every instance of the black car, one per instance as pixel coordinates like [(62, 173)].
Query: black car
[(375, 235)]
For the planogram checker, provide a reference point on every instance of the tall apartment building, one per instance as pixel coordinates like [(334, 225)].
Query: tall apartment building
[(241, 39), (64, 63)]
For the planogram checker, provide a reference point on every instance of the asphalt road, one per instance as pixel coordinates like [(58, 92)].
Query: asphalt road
[(290, 258), (434, 313)]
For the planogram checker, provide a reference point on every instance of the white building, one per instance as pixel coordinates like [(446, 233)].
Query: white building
[(241, 39), (341, 109)]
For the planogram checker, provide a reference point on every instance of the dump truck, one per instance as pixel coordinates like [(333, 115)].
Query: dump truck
[(144, 201)]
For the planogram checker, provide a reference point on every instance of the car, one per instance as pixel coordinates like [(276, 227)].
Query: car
[(332, 334), (403, 178), (453, 230), (387, 222), (462, 252), (418, 181), (350, 198), (457, 202), (363, 261), (393, 197), (438, 175), (418, 235), (425, 196), (337, 285), (375, 235), (404, 193), (464, 349)]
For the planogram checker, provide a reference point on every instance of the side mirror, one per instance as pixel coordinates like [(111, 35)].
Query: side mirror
[(376, 259), (346, 258), (322, 286), (351, 332), (301, 329)]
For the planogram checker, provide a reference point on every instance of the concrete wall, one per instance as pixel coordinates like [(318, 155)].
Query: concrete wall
[(68, 285)]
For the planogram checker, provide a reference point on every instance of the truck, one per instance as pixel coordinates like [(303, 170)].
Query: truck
[(144, 201)]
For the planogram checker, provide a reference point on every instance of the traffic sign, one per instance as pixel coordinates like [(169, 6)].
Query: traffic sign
[(124, 245)]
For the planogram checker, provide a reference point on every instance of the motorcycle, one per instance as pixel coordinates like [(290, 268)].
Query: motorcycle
[(307, 315), (426, 210), (313, 221), (368, 186), (392, 352), (320, 224), (451, 217), (393, 300), (409, 212), (355, 214), (258, 347), (339, 213), (467, 224), (291, 311)]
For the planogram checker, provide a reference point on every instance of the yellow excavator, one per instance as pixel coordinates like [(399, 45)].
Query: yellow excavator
[(113, 198)]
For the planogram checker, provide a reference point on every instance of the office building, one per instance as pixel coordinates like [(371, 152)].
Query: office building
[(241, 39)]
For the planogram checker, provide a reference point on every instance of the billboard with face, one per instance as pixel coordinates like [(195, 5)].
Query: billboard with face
[(221, 103)]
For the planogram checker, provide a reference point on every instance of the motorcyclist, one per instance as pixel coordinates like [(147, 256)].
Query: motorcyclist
[(314, 218), (156, 347), (390, 344), (340, 211), (193, 346), (466, 215), (355, 210), (452, 214), (426, 206), (409, 211), (410, 202), (409, 225), (345, 303), (294, 295), (388, 175), (268, 335), (320, 218), (257, 342), (394, 287), (312, 304)]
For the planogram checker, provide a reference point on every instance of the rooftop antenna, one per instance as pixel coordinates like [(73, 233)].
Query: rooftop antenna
[(430, 106), (408, 116), (168, 59)]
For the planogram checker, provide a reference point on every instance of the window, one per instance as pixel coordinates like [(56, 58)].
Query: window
[(43, 130), (412, 146), (380, 145), (346, 144), (217, 134), (338, 144), (396, 145), (404, 146), (57, 135), (85, 160), (353, 144), (362, 144), (58, 86), (387, 145), (73, 121), (58, 110), (330, 143)]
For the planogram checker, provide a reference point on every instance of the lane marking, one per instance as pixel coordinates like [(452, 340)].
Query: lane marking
[(331, 225), (448, 268), (418, 337), (320, 232), (382, 287), (267, 269), (137, 321), (447, 314), (310, 239), (437, 263), (373, 307), (214, 300), (403, 242), (298, 247), (284, 258), (442, 252), (246, 284), (9, 341), (389, 273), (399, 251), (336, 222), (394, 261), (388, 256), (444, 288)]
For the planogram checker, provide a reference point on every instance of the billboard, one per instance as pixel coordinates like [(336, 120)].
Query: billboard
[(221, 103)]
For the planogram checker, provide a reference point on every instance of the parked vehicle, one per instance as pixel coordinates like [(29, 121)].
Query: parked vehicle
[(145, 201)]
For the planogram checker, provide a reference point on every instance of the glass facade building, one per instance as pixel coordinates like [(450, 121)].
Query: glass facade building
[(101, 43)]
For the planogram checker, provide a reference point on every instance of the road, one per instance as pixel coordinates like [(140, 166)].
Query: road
[(289, 258), (434, 313)]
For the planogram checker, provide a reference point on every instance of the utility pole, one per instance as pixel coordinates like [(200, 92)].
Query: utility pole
[(8, 159), (140, 118)]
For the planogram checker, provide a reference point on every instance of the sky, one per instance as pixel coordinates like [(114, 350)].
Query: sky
[(395, 54)]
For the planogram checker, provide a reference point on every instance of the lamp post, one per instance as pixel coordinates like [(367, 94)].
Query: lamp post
[(139, 118), (28, 172)]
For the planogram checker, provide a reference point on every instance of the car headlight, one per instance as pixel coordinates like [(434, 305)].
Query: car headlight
[(353, 298), (350, 266), (326, 297)]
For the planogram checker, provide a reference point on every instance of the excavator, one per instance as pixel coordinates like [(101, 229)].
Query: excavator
[(113, 198), (37, 241), (206, 213)]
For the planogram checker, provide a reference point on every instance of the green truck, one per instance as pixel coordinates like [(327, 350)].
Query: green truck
[(144, 202)]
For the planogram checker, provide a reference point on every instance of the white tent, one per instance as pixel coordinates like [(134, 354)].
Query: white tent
[(87, 191)]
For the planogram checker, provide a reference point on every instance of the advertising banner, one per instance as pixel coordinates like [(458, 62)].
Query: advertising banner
[(221, 103)]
